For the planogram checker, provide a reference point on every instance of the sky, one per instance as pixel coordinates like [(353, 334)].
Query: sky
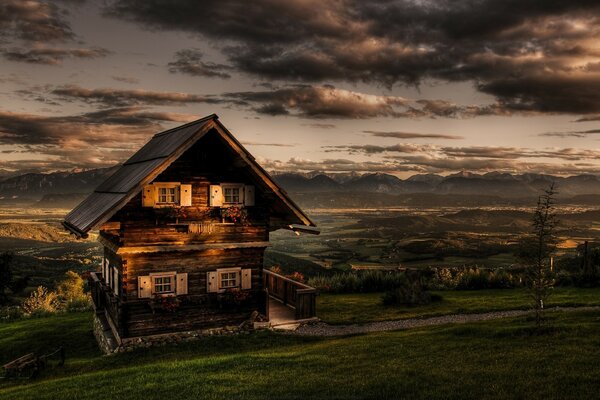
[(394, 86)]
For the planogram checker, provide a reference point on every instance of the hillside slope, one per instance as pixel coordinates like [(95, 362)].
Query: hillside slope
[(495, 360)]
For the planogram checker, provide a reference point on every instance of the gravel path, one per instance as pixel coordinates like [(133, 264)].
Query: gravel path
[(324, 329)]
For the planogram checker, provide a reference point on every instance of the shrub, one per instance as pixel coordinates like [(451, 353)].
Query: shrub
[(71, 293), (473, 279), (41, 301), (296, 276), (276, 269), (358, 282), (10, 313), (409, 293)]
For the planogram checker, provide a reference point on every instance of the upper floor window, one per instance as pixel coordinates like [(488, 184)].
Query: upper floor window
[(233, 194), (167, 195)]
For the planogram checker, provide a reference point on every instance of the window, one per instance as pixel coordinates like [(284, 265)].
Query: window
[(167, 194), (233, 194), (229, 280), (163, 284)]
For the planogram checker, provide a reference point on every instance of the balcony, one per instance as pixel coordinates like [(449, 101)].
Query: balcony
[(298, 298)]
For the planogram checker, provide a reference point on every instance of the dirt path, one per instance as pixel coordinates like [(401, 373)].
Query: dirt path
[(324, 329)]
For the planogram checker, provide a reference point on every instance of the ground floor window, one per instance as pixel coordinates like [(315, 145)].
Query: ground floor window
[(229, 280), (163, 284)]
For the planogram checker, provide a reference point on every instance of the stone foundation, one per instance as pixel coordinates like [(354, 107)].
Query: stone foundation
[(103, 333), (109, 345)]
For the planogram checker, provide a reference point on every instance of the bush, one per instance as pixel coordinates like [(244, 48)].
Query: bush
[(473, 279), (71, 293), (409, 293), (10, 313), (40, 302), (358, 282)]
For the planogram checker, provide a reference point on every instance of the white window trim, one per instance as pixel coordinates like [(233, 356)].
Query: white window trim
[(222, 271), (172, 275), (240, 187), (167, 185)]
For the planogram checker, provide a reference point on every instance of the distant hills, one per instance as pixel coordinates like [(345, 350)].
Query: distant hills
[(67, 188), (34, 186), (503, 185)]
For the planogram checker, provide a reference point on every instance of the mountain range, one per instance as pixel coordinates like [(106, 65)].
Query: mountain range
[(37, 186), (503, 185)]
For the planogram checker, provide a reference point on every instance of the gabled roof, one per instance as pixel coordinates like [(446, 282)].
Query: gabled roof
[(151, 160)]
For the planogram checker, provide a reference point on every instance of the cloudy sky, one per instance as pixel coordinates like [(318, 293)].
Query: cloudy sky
[(395, 86)]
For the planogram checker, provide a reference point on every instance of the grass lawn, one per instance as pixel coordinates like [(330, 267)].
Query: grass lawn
[(494, 359), (367, 307)]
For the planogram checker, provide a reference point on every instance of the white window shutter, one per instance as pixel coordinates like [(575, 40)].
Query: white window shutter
[(116, 281), (182, 284), (216, 196), (185, 195), (249, 195), (148, 196), (246, 278), (144, 287), (212, 284)]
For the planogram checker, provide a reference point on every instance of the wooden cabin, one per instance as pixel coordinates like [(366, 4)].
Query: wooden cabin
[(184, 224)]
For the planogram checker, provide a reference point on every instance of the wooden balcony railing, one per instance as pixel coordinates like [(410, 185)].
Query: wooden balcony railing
[(291, 293), (96, 290), (105, 301)]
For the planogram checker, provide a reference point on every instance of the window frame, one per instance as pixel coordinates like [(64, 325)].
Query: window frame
[(158, 186), (231, 186), (238, 278), (162, 275)]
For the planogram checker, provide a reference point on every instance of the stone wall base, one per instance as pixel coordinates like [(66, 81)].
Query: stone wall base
[(109, 344)]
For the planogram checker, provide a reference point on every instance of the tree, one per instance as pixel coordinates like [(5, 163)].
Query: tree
[(538, 250), (71, 292), (5, 275)]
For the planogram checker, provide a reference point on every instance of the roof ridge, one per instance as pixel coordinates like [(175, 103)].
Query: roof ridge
[(211, 116)]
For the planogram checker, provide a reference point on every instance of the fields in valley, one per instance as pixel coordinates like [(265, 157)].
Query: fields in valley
[(439, 237), (350, 238)]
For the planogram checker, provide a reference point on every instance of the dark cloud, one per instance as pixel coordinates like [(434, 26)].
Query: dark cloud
[(33, 21), (412, 135), (469, 157), (122, 97), (190, 62), (268, 144), (590, 118), (333, 165), (316, 102), (52, 56), (126, 79), (318, 125), (548, 93), (30, 31), (94, 139), (428, 164), (578, 134), (374, 149), (531, 55)]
